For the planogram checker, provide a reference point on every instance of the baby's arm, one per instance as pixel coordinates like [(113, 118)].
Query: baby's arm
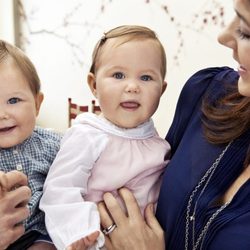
[(85, 242), (68, 217)]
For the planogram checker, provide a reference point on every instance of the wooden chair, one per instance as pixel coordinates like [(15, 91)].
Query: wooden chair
[(95, 108), (75, 109)]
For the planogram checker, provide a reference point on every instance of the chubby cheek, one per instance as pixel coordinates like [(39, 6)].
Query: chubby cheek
[(27, 120), (153, 101), (108, 99)]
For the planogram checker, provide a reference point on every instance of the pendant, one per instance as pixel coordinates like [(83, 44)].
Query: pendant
[(191, 218)]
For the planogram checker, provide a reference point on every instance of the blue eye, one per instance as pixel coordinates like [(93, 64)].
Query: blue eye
[(146, 78), (14, 100), (118, 75)]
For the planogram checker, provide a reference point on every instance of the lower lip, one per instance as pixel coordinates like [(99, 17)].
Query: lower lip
[(242, 71), (129, 106)]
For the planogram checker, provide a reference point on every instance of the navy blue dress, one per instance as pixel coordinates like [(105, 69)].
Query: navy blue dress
[(192, 155)]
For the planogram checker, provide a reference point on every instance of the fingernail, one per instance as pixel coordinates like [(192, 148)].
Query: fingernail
[(151, 207)]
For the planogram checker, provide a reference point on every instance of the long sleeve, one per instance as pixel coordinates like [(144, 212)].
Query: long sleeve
[(67, 216)]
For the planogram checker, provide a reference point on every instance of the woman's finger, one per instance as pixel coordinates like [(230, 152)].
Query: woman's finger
[(20, 196), (152, 221), (131, 204), (17, 232), (3, 179), (15, 179), (108, 244), (19, 215), (106, 219), (3, 183), (11, 235), (114, 208)]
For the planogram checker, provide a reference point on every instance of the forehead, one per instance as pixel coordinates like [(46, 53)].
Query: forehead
[(118, 41), (11, 76), (132, 46), (242, 8)]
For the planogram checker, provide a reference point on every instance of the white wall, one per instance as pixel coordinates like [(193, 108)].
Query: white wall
[(7, 20), (59, 37)]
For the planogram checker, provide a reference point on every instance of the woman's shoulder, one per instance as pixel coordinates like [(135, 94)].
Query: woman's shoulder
[(216, 73), (210, 80), (215, 78), (205, 77)]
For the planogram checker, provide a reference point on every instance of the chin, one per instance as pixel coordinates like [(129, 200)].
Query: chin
[(244, 87), (7, 145)]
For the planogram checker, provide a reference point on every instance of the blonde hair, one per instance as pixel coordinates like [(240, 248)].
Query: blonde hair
[(128, 33), (11, 52)]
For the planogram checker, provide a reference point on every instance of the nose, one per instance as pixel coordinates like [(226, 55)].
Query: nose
[(228, 36), (3, 115), (132, 87)]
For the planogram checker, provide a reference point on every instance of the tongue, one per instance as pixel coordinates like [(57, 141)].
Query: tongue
[(130, 105)]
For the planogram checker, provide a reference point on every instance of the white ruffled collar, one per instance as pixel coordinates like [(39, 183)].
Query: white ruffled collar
[(143, 131)]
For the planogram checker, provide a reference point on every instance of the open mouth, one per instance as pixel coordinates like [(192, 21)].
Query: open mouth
[(130, 105), (7, 129)]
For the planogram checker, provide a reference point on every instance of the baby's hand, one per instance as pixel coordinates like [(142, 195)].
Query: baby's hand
[(85, 242)]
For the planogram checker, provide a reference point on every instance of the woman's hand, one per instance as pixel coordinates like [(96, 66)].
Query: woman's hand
[(14, 196), (133, 232)]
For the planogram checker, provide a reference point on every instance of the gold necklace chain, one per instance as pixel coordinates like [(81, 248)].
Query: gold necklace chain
[(191, 216)]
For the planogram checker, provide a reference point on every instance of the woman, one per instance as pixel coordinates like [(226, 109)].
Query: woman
[(204, 201)]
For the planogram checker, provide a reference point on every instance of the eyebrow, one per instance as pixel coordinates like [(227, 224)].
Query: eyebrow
[(242, 18)]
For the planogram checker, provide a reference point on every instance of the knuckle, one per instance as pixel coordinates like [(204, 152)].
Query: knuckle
[(27, 191), (7, 222), (26, 212)]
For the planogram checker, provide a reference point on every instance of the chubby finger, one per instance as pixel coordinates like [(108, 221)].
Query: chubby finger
[(151, 219), (106, 219), (90, 239), (16, 178), (70, 247), (79, 244), (131, 204), (114, 209)]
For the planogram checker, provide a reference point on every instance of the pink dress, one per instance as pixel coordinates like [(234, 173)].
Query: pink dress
[(95, 157)]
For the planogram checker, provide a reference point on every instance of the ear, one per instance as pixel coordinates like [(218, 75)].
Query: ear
[(164, 86), (38, 99), (92, 83)]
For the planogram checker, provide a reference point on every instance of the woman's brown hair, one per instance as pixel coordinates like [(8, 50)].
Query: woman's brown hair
[(227, 119)]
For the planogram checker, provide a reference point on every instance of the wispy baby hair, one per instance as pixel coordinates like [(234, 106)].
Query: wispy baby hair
[(18, 57), (128, 33)]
